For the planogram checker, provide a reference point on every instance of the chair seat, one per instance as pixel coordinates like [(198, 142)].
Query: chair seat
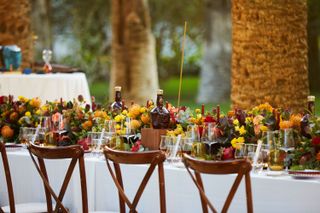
[(28, 208)]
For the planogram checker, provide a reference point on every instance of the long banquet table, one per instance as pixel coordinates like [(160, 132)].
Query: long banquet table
[(49, 87), (270, 194)]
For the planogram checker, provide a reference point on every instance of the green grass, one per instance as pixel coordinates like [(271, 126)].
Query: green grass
[(100, 91), (170, 86)]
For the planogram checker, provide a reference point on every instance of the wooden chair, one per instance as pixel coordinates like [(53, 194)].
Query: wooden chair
[(240, 167), (154, 158), (12, 207), (75, 153)]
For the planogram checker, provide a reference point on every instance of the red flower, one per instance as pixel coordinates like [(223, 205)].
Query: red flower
[(227, 153), (84, 143), (316, 141), (136, 146), (209, 119)]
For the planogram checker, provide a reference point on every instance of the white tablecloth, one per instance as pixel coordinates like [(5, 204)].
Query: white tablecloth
[(45, 86), (270, 194)]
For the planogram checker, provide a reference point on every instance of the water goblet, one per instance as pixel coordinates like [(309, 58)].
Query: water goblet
[(287, 144)]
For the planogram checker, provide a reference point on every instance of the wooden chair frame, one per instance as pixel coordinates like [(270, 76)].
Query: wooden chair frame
[(75, 153), (154, 158), (240, 167), (8, 178)]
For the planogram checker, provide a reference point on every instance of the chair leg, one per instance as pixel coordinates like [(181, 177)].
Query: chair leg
[(203, 202), (119, 177), (248, 193), (162, 188)]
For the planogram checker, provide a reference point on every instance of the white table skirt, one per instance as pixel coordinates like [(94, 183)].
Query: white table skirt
[(45, 86), (270, 194)]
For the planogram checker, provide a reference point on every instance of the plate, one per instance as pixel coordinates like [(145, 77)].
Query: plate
[(304, 174), (275, 173)]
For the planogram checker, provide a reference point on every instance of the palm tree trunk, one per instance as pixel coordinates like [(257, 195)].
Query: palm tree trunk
[(215, 71), (270, 53), (15, 28), (133, 51)]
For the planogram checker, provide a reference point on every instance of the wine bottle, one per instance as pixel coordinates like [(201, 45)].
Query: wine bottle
[(117, 104), (160, 116), (311, 104)]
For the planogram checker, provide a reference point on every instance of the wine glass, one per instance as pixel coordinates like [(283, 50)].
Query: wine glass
[(95, 141), (287, 144), (276, 155), (209, 138)]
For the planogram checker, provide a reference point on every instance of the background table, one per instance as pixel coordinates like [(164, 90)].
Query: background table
[(270, 194), (45, 86)]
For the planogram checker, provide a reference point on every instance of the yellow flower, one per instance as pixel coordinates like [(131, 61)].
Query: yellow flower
[(237, 128), (236, 122), (124, 112), (236, 143), (28, 114), (197, 111), (241, 140), (143, 110), (118, 118), (118, 126), (242, 130), (266, 107), (135, 124), (23, 99), (35, 102), (263, 128), (249, 120), (38, 112)]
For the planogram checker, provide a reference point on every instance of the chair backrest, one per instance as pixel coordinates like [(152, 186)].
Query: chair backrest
[(8, 177), (153, 158), (241, 167), (75, 153)]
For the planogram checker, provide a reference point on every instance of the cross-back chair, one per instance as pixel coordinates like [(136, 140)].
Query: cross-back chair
[(12, 207), (153, 158), (240, 167), (75, 153)]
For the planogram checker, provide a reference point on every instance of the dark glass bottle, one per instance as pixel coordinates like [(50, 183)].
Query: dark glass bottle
[(117, 104), (160, 116), (311, 104)]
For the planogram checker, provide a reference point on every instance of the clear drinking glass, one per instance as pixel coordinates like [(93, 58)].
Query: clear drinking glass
[(251, 153), (276, 155), (287, 144), (95, 142), (209, 138)]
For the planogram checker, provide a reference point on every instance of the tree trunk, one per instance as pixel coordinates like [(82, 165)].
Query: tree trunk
[(133, 51), (269, 57), (215, 72), (41, 24), (15, 28), (313, 53)]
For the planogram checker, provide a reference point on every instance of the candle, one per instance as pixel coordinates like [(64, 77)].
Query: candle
[(218, 114), (202, 109)]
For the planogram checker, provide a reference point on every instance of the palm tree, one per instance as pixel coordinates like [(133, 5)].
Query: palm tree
[(133, 51), (15, 27), (269, 57)]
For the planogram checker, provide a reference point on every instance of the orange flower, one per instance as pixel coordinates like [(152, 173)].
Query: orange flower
[(318, 156), (35, 102), (145, 118), (87, 125), (100, 114), (7, 132), (135, 124), (14, 116), (134, 110), (295, 120), (266, 107), (285, 124)]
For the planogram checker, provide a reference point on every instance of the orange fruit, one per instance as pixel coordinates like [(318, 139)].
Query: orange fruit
[(7, 132)]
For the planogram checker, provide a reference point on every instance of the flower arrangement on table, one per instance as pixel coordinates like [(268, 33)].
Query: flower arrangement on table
[(231, 129)]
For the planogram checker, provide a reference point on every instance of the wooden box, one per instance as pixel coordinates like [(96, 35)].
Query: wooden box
[(150, 137)]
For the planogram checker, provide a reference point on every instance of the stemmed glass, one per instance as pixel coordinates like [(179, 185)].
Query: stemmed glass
[(287, 144), (209, 137), (110, 130)]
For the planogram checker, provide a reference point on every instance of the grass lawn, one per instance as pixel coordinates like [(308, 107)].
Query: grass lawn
[(170, 86)]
